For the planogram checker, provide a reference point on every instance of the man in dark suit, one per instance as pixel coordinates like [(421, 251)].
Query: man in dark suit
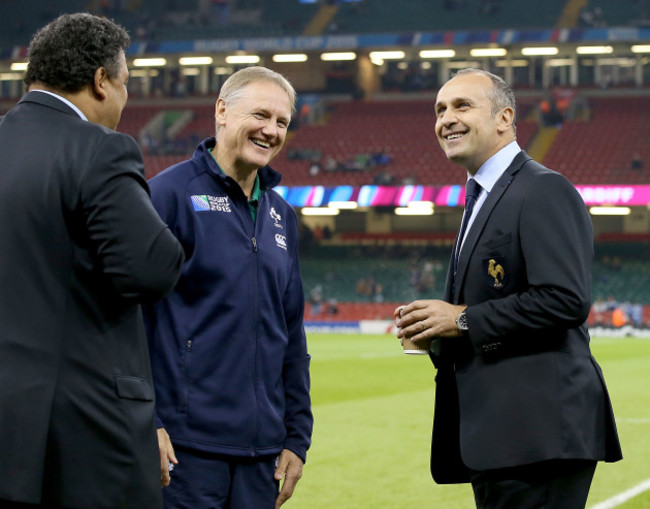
[(522, 411), (81, 248)]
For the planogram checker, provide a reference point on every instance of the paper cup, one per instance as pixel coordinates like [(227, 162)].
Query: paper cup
[(411, 348)]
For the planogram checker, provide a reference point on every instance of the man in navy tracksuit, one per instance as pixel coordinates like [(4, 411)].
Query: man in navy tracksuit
[(228, 346)]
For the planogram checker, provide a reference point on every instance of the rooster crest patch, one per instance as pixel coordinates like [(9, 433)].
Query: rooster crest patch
[(495, 272)]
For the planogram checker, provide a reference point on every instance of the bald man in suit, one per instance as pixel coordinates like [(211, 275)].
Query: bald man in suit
[(522, 411)]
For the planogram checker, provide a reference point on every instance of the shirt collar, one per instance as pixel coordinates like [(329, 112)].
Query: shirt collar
[(492, 169), (63, 99), (256, 193)]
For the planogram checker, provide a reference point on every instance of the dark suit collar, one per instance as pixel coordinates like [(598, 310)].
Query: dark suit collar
[(480, 221), (49, 101)]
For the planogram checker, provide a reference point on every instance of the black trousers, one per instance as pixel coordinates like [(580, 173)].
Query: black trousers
[(557, 484)]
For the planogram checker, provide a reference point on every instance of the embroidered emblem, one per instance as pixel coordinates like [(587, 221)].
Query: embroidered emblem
[(495, 273), (281, 241), (276, 218), (205, 202)]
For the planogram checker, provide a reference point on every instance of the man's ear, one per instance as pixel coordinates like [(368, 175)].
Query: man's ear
[(100, 80), (506, 118), (220, 112)]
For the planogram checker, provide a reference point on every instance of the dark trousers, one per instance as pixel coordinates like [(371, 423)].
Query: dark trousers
[(557, 484), (212, 481)]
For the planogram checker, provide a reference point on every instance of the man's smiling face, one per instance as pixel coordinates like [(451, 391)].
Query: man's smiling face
[(253, 128), (466, 127)]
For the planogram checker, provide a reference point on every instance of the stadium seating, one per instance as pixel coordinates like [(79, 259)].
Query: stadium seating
[(424, 15), (620, 272), (600, 150), (593, 152), (403, 129)]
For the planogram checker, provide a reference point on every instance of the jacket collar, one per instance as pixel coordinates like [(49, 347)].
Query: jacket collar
[(269, 178), (48, 100)]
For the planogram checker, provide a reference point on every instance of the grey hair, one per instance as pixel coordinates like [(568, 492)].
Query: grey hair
[(501, 95), (234, 87)]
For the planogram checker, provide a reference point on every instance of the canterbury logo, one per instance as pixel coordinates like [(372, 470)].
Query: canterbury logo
[(281, 241)]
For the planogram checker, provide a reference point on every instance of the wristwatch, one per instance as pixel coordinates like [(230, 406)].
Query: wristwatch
[(461, 322)]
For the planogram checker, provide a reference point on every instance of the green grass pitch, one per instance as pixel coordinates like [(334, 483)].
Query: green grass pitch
[(373, 410)]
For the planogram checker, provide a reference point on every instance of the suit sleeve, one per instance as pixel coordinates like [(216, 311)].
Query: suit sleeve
[(556, 242), (133, 246), (298, 415)]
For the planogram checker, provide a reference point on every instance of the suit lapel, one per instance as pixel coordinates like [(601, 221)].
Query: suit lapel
[(482, 217)]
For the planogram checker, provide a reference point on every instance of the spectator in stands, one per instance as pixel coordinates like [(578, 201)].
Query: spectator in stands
[(236, 315), (377, 292), (635, 313), (363, 287), (637, 162), (380, 158), (599, 309), (383, 178), (611, 304), (316, 300), (332, 307), (331, 164), (619, 317), (427, 281), (314, 168), (551, 114), (521, 408), (82, 247)]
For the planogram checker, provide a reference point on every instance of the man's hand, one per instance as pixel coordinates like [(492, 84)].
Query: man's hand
[(423, 320), (166, 455), (289, 467)]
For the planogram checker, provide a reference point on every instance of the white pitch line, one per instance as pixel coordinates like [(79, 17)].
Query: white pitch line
[(623, 497), (633, 420)]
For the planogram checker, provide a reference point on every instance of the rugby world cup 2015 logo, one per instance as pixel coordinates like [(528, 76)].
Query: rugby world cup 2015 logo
[(207, 203)]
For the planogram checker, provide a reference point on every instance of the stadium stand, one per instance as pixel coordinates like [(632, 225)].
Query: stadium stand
[(174, 20), (416, 15), (595, 149), (599, 151), (621, 279), (403, 129)]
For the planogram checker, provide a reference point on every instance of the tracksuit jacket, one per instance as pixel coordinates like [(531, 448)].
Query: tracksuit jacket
[(228, 347)]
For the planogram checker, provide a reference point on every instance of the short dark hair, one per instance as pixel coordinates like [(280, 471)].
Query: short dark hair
[(66, 52)]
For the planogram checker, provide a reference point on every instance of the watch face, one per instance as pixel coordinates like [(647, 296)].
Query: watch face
[(462, 322)]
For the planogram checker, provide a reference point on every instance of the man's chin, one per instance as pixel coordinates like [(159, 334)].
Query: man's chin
[(454, 157)]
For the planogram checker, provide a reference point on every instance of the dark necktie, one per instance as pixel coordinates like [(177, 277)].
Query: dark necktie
[(472, 190)]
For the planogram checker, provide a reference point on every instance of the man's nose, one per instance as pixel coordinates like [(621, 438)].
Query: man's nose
[(447, 118), (270, 128)]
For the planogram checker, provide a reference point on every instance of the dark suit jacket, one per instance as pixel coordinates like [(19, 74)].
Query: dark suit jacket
[(80, 247), (522, 387)]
